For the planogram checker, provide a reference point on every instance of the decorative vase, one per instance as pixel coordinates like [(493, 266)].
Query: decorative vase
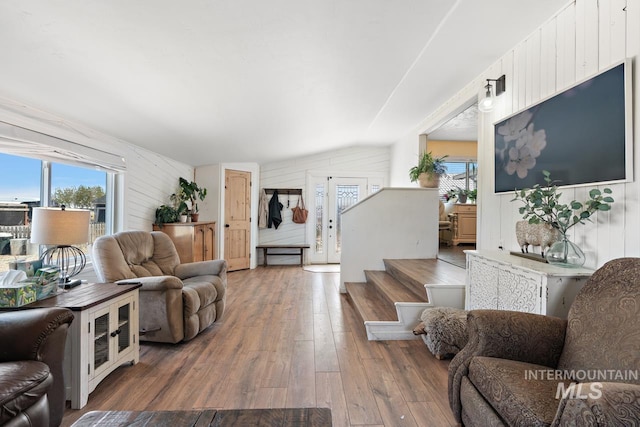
[(427, 180), (194, 217), (565, 253), (183, 218)]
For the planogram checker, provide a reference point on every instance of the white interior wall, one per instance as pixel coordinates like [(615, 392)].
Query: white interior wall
[(414, 236), (209, 177), (364, 161), (583, 38)]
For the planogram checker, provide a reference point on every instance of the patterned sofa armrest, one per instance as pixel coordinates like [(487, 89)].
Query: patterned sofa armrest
[(525, 337), (606, 404)]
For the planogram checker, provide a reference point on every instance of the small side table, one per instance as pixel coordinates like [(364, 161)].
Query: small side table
[(102, 337)]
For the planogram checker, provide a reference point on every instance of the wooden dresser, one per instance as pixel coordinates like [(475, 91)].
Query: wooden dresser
[(194, 241), (463, 223)]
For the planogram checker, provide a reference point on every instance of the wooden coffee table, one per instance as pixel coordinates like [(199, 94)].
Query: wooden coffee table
[(289, 417)]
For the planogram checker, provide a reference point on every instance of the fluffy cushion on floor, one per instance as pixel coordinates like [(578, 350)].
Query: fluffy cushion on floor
[(445, 330)]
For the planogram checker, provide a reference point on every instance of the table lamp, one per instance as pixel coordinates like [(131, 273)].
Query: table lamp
[(62, 228)]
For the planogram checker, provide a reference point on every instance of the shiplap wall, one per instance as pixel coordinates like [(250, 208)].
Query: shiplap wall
[(148, 182), (293, 174), (583, 38)]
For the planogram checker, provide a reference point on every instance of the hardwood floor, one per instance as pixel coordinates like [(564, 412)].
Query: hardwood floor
[(289, 339)]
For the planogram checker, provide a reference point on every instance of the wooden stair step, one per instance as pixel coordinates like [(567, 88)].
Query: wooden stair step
[(369, 302), (392, 289), (415, 273)]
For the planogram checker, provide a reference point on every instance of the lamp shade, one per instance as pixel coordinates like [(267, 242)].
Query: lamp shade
[(54, 226)]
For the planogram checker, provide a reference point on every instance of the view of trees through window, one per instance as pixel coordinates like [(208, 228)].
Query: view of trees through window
[(21, 190)]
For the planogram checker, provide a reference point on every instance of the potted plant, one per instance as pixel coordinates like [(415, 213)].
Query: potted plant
[(190, 191), (166, 214), (542, 206), (460, 194), (428, 170), (180, 203), (473, 195)]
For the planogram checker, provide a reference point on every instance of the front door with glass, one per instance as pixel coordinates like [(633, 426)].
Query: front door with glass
[(332, 195)]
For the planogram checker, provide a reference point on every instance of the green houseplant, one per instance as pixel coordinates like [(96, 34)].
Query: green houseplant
[(166, 214), (179, 201), (191, 192), (461, 194), (542, 205), (428, 170)]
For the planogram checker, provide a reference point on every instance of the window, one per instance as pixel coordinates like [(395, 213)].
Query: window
[(26, 183), (459, 175)]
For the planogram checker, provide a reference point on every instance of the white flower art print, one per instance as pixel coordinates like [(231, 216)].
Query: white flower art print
[(522, 144)]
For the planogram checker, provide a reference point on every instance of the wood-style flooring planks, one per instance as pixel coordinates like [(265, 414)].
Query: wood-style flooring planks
[(288, 338)]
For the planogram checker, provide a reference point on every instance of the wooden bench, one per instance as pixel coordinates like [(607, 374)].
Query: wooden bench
[(265, 251)]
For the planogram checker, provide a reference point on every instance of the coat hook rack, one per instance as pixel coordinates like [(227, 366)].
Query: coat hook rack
[(287, 191)]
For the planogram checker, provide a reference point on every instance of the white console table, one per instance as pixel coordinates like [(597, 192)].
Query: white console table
[(498, 280), (102, 336)]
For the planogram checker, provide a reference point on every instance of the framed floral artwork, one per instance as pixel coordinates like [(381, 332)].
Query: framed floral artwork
[(581, 135)]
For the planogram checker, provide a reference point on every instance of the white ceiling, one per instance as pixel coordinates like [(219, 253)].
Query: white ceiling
[(211, 81)]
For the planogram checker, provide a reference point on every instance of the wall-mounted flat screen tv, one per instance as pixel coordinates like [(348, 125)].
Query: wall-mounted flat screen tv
[(582, 135)]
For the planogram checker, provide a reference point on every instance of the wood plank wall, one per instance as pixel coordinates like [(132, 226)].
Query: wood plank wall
[(293, 174), (583, 38), (149, 181)]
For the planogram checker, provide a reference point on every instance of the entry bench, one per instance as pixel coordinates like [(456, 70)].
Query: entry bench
[(265, 251)]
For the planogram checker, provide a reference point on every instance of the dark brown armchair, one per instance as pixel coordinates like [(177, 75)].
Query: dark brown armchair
[(32, 342), (522, 369)]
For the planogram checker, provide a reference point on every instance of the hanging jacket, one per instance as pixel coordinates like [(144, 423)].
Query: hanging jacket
[(263, 210), (275, 211)]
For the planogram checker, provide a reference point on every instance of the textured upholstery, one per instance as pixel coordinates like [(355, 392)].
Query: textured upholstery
[(177, 301), (445, 330), (509, 371), (32, 344)]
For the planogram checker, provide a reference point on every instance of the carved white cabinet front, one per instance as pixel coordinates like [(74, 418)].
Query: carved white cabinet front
[(498, 280)]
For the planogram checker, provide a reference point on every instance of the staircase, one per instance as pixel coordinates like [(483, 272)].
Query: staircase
[(390, 302)]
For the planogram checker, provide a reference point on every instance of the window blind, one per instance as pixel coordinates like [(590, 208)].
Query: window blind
[(28, 143)]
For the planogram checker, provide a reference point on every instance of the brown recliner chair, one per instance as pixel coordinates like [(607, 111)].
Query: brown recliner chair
[(522, 369), (32, 342), (177, 301)]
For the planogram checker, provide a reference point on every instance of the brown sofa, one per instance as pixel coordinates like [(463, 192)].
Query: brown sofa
[(32, 391), (510, 370), (177, 301)]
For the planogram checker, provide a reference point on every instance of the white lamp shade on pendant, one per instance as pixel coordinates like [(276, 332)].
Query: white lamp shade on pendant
[(54, 226)]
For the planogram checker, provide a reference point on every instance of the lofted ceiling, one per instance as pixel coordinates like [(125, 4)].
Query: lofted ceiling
[(208, 81)]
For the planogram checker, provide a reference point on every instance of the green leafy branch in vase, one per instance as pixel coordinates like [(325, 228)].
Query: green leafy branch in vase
[(542, 205)]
